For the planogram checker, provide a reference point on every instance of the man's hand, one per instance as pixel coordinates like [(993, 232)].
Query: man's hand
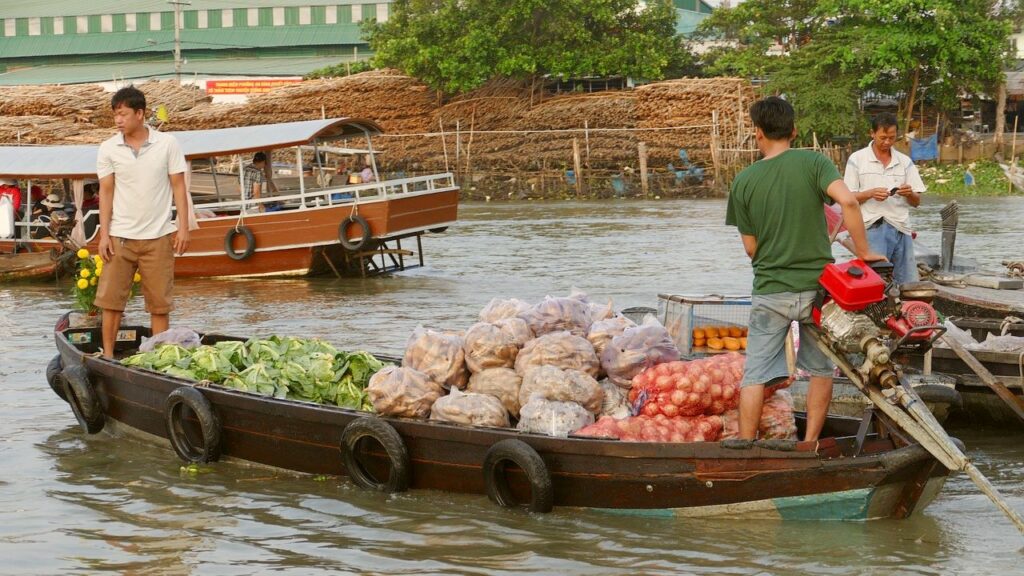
[(880, 194), (872, 257), (905, 190), (181, 240), (106, 247)]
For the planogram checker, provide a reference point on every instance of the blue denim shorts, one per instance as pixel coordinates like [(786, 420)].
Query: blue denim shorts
[(770, 318)]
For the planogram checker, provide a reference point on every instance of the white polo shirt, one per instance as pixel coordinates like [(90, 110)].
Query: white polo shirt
[(142, 187), (865, 171)]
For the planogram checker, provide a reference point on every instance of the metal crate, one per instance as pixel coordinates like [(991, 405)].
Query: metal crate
[(681, 314)]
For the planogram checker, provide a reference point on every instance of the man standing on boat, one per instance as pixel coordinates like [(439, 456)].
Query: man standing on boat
[(140, 171), (775, 203), (887, 184)]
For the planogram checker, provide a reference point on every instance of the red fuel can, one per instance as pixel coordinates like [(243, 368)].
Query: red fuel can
[(853, 284)]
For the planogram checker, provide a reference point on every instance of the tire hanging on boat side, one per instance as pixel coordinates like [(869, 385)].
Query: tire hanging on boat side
[(174, 417), (55, 378), (379, 431), (81, 395), (525, 457), (250, 243), (364, 234)]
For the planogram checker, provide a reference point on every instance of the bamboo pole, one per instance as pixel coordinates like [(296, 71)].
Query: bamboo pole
[(444, 144), (469, 144), (642, 150), (715, 158), (586, 137), (577, 165), (1013, 155)]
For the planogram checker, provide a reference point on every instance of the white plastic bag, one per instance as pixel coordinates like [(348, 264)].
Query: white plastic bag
[(184, 337)]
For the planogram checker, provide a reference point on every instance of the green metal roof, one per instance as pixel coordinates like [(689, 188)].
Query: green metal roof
[(42, 8), (687, 21), (107, 71), (163, 40)]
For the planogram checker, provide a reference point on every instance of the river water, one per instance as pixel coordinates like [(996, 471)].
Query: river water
[(71, 503)]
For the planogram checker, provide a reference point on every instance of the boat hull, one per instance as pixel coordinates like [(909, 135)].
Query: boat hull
[(299, 242), (887, 480)]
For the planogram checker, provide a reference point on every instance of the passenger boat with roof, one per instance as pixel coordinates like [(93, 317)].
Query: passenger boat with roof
[(326, 223)]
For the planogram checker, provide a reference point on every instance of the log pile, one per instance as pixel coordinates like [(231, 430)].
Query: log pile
[(690, 102), (503, 126)]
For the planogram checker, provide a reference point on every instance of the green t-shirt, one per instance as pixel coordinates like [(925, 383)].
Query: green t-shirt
[(779, 201)]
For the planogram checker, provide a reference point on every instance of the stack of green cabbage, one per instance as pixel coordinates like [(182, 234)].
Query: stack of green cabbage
[(292, 368)]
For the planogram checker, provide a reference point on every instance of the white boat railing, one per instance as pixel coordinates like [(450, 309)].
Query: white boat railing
[(339, 195)]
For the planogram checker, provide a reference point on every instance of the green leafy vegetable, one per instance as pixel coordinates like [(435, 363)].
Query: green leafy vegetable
[(308, 370)]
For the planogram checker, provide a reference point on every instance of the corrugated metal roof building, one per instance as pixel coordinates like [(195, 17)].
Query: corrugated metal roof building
[(68, 41), (79, 41)]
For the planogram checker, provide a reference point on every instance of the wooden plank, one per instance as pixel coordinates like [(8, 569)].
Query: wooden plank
[(1014, 402), (994, 282)]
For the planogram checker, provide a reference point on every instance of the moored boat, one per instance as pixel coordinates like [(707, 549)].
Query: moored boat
[(981, 405), (314, 225), (853, 473)]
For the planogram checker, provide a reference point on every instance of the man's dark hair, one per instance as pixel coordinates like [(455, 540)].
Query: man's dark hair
[(883, 120), (774, 116), (130, 96), (259, 157)]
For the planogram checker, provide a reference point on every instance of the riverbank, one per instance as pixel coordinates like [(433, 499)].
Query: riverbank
[(986, 179)]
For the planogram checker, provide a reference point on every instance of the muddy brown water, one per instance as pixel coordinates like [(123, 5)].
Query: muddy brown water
[(71, 503)]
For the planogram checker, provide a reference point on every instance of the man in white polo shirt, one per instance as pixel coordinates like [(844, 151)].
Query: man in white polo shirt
[(140, 171), (887, 185)]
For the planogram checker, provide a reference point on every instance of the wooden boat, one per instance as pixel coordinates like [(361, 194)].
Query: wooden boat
[(323, 228), (851, 474), (980, 406), (963, 287)]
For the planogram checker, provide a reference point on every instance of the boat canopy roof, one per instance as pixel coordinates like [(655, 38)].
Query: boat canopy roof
[(79, 161), (48, 162), (221, 141)]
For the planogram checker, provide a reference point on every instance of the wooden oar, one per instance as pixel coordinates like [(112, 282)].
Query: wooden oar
[(921, 425), (1012, 400)]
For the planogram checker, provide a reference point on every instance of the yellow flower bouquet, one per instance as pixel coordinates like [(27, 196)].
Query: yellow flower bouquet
[(90, 268)]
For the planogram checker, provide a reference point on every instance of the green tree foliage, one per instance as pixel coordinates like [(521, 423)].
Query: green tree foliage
[(457, 45), (818, 50), (341, 69)]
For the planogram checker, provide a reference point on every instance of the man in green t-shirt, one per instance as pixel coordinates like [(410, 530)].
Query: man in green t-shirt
[(776, 204)]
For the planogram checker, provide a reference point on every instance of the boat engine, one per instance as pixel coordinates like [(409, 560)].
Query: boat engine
[(862, 309)]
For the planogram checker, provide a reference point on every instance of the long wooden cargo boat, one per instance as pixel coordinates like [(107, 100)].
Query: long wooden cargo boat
[(320, 223), (853, 473)]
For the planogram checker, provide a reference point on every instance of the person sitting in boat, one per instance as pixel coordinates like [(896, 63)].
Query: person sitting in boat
[(255, 183), (42, 213), (367, 174)]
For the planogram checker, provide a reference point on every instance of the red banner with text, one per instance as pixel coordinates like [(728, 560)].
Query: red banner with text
[(247, 85)]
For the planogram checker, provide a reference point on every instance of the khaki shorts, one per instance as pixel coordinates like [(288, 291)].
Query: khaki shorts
[(153, 259)]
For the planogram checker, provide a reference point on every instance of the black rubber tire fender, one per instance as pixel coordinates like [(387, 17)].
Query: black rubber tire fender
[(439, 230), (250, 243), (82, 396), (379, 431), (525, 457), (364, 235), (55, 377), (209, 424)]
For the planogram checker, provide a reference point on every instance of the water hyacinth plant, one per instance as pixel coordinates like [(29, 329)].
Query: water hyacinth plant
[(87, 277)]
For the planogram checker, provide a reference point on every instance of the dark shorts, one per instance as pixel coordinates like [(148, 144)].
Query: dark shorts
[(153, 260)]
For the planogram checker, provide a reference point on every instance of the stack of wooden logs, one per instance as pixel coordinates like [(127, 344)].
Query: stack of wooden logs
[(503, 126)]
